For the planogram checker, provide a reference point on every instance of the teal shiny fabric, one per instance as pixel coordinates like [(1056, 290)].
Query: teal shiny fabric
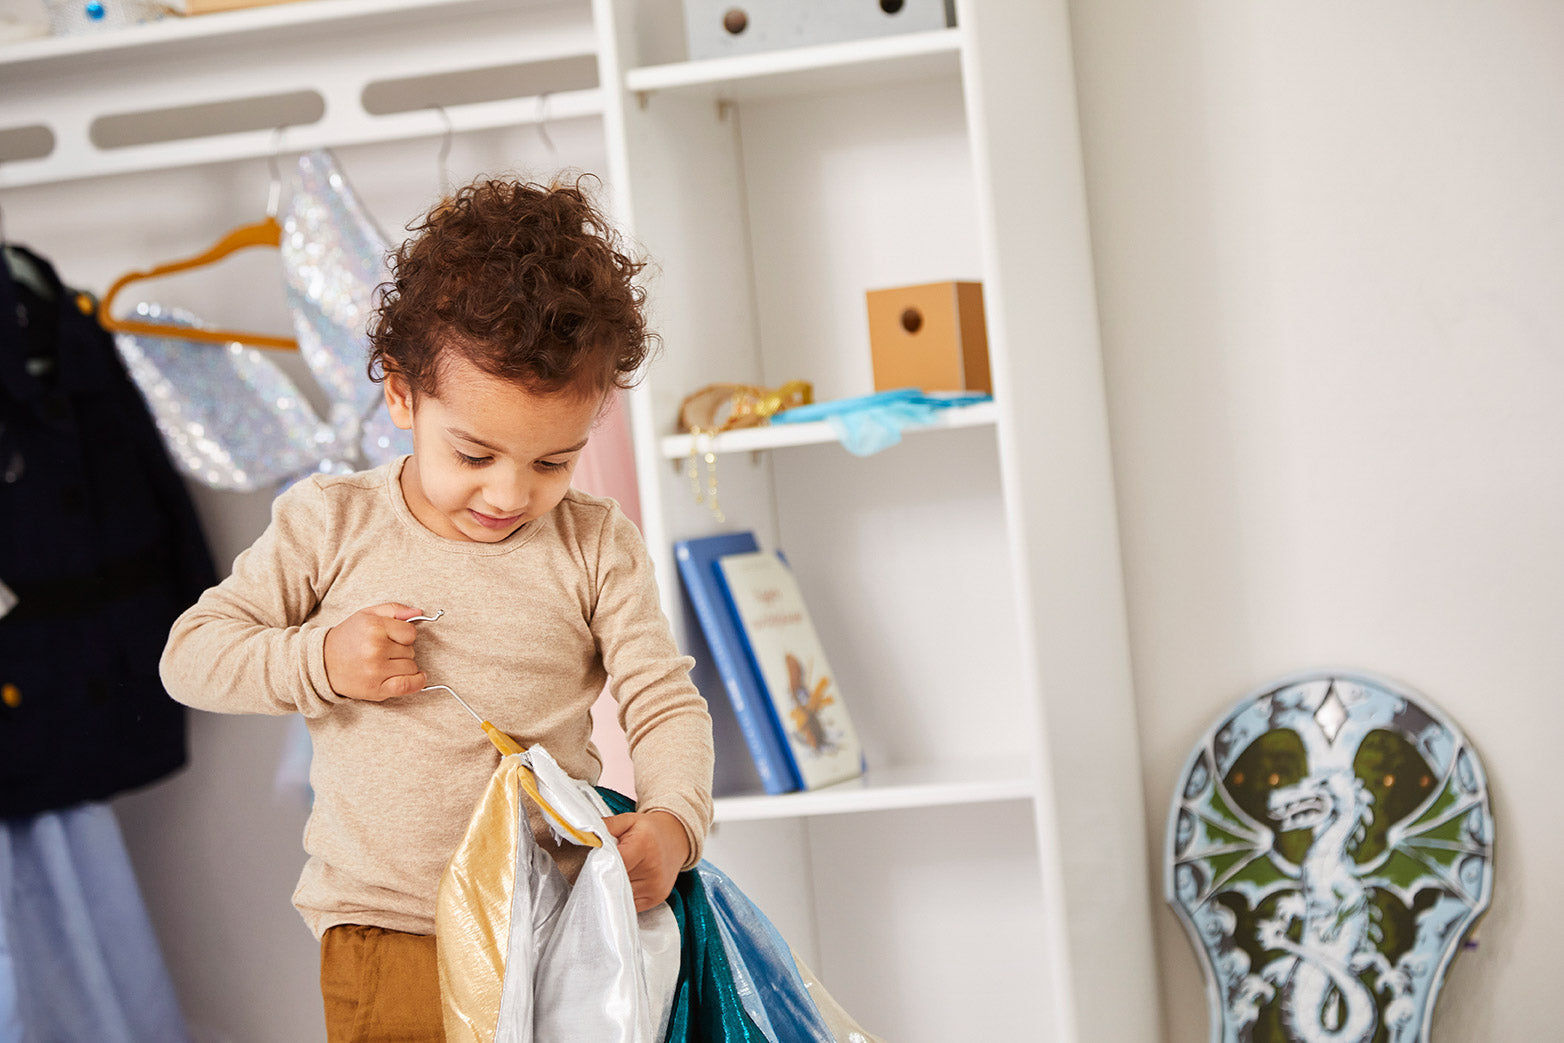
[(706, 1004)]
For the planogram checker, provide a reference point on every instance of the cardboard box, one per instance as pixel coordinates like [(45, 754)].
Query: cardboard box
[(931, 337)]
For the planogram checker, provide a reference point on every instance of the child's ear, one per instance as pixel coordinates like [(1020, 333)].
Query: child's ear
[(399, 400)]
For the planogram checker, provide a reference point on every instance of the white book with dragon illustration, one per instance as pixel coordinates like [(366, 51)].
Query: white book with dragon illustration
[(787, 655)]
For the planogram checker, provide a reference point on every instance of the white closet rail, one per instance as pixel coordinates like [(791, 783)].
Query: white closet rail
[(67, 164), (215, 88)]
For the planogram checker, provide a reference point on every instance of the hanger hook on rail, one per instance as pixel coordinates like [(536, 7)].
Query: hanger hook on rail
[(274, 194), (542, 125), (445, 148)]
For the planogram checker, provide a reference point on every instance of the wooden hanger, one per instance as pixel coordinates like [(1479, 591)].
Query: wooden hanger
[(266, 232)]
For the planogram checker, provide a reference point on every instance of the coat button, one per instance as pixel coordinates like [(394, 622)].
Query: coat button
[(11, 695)]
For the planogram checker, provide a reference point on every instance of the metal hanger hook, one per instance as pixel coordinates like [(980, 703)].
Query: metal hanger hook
[(448, 688), (274, 195), (445, 148), (548, 142)]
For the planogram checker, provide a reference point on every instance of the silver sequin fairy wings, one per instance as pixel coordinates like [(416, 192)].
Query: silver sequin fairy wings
[(232, 419)]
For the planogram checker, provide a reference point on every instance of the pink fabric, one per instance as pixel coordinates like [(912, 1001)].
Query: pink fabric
[(607, 464), (607, 468)]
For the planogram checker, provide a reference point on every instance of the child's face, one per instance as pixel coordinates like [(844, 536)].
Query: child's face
[(488, 455)]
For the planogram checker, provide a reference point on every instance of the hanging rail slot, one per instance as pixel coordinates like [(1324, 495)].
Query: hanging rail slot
[(389, 97), (209, 119)]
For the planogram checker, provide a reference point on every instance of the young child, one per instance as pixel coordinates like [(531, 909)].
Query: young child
[(512, 316)]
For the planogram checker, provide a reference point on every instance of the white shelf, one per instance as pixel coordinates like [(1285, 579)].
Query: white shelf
[(175, 30), (779, 436), (886, 789), (802, 70)]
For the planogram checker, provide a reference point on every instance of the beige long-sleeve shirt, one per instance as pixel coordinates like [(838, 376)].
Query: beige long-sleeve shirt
[(533, 627)]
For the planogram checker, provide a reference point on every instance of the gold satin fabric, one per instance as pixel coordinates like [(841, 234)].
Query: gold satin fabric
[(472, 912)]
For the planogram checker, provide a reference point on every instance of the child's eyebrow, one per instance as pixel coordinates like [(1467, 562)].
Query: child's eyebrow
[(464, 436)]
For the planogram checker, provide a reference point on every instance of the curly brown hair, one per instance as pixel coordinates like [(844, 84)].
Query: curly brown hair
[(526, 281)]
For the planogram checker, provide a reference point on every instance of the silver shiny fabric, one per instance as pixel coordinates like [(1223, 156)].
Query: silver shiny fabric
[(231, 418), (581, 964)]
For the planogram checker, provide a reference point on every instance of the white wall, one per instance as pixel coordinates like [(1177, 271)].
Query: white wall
[(1329, 240), (218, 852)]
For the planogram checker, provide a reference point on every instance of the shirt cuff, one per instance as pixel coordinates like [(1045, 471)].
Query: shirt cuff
[(317, 696), (686, 817)]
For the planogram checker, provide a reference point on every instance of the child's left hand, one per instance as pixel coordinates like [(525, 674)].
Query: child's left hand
[(654, 848)]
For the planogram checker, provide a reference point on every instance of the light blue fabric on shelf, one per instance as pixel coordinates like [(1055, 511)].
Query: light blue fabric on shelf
[(78, 959), (870, 423)]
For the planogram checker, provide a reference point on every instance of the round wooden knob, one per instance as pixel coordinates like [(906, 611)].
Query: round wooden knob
[(912, 320), (735, 21), (892, 6)]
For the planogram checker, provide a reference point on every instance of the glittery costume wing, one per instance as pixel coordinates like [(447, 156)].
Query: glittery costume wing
[(382, 440), (333, 262), (230, 418)]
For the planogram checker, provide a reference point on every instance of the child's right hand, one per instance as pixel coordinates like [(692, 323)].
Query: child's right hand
[(369, 655)]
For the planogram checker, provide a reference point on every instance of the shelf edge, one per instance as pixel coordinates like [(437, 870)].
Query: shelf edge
[(176, 30), (830, 801), (649, 79), (819, 432)]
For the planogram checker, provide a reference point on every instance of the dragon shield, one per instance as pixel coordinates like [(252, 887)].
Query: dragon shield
[(1328, 850)]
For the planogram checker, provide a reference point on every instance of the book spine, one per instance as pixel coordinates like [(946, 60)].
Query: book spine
[(771, 761)]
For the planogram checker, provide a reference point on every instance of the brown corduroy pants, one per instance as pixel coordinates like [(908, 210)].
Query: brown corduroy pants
[(380, 986)]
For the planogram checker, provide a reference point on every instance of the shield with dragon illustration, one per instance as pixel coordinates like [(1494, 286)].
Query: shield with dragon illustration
[(1330, 847)]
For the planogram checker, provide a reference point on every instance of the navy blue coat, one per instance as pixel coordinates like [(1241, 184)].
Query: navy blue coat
[(102, 547)]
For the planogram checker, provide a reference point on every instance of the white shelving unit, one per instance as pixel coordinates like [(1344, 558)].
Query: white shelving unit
[(966, 582), (986, 878)]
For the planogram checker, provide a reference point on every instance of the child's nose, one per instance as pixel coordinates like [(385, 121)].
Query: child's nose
[(507, 494)]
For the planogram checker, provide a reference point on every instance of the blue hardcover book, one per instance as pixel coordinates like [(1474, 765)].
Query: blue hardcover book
[(751, 705)]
